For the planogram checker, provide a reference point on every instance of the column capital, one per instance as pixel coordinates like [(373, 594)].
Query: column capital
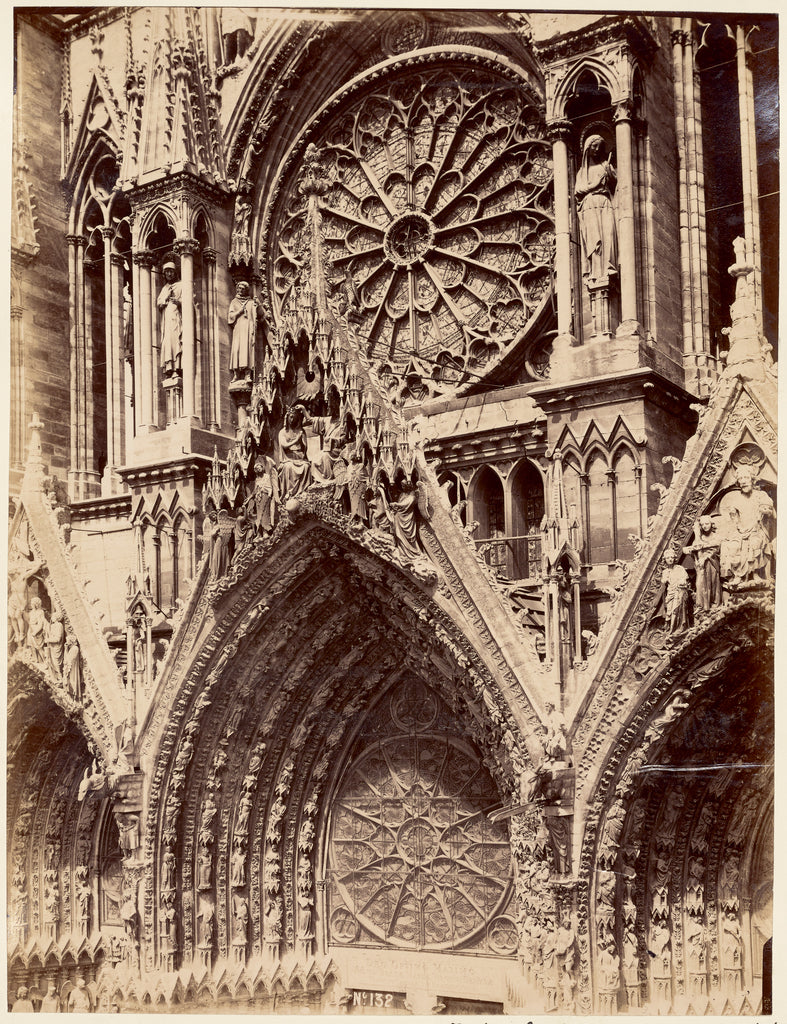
[(17, 312), (76, 240), (143, 258), (186, 246), (624, 111), (210, 255), (559, 130), (108, 232), (116, 259), (679, 37)]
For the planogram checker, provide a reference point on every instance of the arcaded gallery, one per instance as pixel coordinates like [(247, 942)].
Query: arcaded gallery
[(392, 511)]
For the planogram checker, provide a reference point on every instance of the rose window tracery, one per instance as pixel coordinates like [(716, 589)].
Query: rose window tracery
[(414, 860), (434, 217)]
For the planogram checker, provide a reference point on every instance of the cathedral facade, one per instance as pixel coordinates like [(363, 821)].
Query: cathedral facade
[(393, 502)]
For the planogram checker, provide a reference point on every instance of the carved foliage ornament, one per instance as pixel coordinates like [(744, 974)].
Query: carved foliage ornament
[(435, 219)]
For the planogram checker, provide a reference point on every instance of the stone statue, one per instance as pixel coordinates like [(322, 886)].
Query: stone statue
[(50, 1002), (37, 631), (238, 868), (206, 919), (295, 472), (79, 998), (56, 642), (242, 319), (204, 869), (265, 496), (208, 524), (745, 547), (240, 919), (403, 516), (222, 530), (595, 185), (168, 871), (209, 812), (556, 743), (22, 1003), (706, 551), (169, 303), (675, 580)]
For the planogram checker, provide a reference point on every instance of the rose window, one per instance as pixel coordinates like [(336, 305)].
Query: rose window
[(414, 861), (434, 217)]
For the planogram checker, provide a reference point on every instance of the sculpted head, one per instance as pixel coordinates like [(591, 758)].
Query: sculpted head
[(745, 478), (170, 272), (669, 557)]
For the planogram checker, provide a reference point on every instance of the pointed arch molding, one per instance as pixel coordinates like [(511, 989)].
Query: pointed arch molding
[(290, 656)]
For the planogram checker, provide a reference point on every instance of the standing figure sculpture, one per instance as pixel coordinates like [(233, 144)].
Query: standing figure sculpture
[(676, 593), (169, 303), (595, 186), (706, 553), (242, 319), (37, 631)]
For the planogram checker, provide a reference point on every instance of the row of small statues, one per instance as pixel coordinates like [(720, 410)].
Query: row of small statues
[(735, 552), (77, 1000), (47, 643), (241, 319)]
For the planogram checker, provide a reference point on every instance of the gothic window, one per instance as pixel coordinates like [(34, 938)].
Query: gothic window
[(414, 862), (599, 514), (627, 505), (110, 871), (489, 512), (434, 195), (527, 511), (456, 491)]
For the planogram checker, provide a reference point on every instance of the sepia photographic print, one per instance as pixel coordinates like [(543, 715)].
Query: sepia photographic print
[(392, 511)]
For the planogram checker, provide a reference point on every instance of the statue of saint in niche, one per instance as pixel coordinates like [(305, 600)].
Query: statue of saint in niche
[(595, 186), (169, 303), (242, 319)]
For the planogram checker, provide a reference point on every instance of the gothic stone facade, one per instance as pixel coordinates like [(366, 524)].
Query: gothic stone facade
[(393, 469)]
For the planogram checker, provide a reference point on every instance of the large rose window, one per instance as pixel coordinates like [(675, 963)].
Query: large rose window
[(414, 861), (435, 222)]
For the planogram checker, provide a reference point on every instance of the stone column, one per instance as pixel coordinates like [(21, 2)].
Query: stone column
[(76, 246), (211, 345), (111, 382), (143, 329), (17, 388), (559, 132), (751, 208), (627, 254), (186, 248)]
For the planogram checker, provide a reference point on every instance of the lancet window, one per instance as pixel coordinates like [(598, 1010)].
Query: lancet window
[(100, 285)]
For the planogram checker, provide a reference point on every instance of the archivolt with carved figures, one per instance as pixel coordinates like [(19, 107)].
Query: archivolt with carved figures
[(676, 846), (300, 652)]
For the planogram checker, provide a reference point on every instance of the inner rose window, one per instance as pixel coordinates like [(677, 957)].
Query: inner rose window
[(414, 861)]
